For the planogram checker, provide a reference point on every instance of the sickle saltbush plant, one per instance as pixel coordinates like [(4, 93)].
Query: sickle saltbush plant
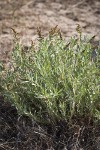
[(53, 81)]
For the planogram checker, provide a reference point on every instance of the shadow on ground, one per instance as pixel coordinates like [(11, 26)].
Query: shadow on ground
[(21, 133)]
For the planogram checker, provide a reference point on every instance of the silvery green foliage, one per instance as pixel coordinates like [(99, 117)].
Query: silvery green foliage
[(54, 80)]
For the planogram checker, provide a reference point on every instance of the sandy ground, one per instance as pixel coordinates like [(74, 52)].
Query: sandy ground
[(26, 15)]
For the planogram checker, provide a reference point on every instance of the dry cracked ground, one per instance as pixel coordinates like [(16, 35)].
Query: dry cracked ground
[(26, 15)]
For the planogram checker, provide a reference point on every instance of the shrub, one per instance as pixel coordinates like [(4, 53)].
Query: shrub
[(55, 80)]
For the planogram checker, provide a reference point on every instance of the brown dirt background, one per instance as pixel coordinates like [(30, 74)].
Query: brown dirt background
[(26, 15)]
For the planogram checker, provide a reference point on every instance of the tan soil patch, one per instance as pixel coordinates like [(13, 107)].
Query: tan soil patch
[(25, 15)]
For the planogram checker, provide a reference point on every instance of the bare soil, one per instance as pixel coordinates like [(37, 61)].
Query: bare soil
[(19, 132), (26, 15)]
